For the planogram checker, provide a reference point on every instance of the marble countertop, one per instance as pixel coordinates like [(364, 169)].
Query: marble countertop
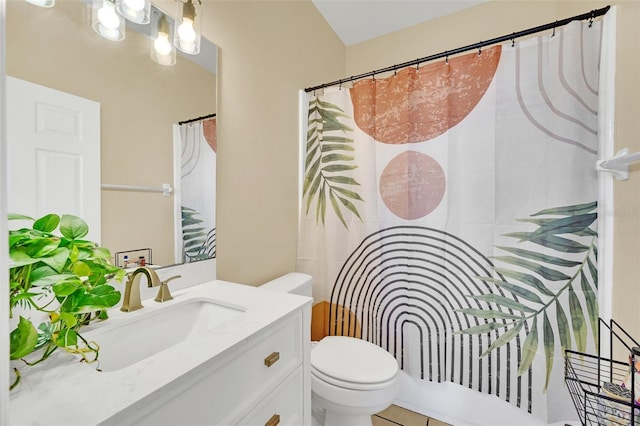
[(62, 391)]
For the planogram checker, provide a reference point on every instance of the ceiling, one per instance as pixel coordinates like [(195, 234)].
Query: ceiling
[(355, 21)]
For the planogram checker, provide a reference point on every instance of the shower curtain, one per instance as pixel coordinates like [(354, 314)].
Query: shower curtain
[(449, 214), (198, 190)]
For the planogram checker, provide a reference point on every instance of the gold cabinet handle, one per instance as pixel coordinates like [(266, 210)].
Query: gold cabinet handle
[(274, 420), (270, 360)]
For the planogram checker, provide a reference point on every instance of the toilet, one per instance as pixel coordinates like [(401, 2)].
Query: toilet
[(351, 379)]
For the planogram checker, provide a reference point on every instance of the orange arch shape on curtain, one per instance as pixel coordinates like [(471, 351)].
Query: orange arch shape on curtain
[(417, 105), (209, 129)]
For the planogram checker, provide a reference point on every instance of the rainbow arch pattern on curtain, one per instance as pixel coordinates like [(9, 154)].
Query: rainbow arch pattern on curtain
[(449, 213)]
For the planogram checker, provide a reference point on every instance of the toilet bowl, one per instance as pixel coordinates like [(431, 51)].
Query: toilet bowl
[(351, 379)]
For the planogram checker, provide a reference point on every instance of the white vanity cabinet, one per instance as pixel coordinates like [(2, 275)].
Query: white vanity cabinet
[(259, 381), (183, 362)]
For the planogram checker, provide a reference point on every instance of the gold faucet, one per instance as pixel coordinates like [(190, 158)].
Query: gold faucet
[(131, 300)]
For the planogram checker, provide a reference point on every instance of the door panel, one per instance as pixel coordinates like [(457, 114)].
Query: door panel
[(53, 153)]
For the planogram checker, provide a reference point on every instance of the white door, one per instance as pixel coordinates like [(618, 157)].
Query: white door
[(53, 153)]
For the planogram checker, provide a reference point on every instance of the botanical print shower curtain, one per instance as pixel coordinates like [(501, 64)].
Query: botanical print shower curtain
[(449, 213), (198, 190)]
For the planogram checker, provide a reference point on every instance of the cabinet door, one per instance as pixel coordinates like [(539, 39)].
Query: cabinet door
[(283, 407)]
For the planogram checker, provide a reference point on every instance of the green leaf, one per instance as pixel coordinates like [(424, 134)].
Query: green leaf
[(57, 259), (102, 253), (502, 301), (561, 244), (543, 271), (529, 348), (577, 321), (526, 279), (347, 193), (101, 297), (593, 271), (338, 168), (340, 139), (42, 247), (522, 292), (563, 328), (67, 338), (45, 333), (540, 257), (567, 225), (72, 227), (321, 207), (81, 269), (336, 208), (19, 258), (488, 313), (504, 338), (67, 287), (336, 157), (51, 279), (47, 223), (68, 319), (329, 147), (592, 305), (549, 342), (342, 179), (569, 210), (482, 328), (23, 339), (15, 216), (348, 204)]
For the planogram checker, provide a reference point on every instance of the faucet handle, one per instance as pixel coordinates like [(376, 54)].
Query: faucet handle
[(163, 293), (172, 278)]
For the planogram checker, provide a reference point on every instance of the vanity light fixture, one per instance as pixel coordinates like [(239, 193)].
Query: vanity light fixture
[(187, 35), (162, 51), (42, 3), (106, 21), (134, 10)]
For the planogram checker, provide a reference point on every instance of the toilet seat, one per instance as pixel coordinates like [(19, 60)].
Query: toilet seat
[(351, 363)]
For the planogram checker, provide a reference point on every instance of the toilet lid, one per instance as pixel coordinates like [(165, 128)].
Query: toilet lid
[(352, 360)]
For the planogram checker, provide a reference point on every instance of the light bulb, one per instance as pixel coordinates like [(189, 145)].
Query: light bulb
[(107, 16), (161, 44), (186, 33), (135, 5)]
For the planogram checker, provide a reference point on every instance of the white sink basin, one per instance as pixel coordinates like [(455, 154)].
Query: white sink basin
[(146, 333)]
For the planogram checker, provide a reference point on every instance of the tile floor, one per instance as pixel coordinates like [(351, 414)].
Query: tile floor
[(395, 415)]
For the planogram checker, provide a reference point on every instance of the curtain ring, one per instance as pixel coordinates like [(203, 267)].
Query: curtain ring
[(513, 39), (417, 65), (395, 70), (554, 29), (593, 15), (340, 84), (446, 56), (480, 49)]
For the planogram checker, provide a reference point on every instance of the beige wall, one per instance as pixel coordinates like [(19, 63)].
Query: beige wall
[(140, 100), (268, 51), (497, 18)]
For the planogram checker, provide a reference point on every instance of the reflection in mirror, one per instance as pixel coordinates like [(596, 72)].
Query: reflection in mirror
[(139, 104)]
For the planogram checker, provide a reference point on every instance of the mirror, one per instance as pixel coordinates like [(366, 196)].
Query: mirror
[(140, 103)]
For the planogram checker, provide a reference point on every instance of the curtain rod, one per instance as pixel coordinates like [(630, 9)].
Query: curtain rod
[(552, 25), (204, 117)]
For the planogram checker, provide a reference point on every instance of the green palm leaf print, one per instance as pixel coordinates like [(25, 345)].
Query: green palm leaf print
[(559, 260), (329, 159)]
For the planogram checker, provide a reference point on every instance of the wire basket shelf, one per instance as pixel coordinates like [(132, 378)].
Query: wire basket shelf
[(603, 386)]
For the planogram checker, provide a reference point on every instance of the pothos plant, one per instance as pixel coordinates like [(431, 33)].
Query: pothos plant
[(63, 276)]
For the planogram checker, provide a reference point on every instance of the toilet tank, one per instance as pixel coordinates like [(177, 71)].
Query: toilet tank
[(293, 282)]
